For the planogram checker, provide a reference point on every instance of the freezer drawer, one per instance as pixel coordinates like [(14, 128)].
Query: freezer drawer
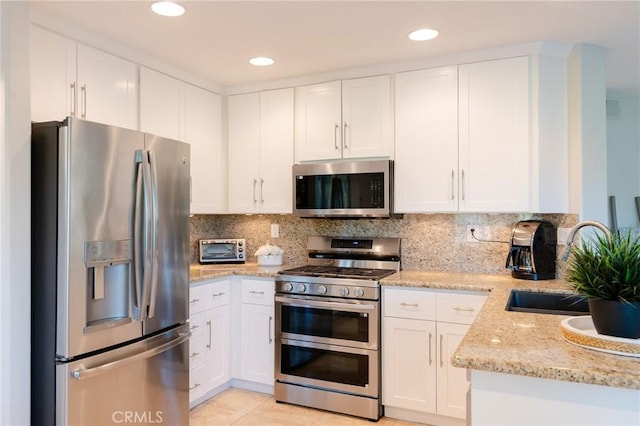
[(146, 382)]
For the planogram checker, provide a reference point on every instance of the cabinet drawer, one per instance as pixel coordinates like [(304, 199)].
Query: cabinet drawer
[(196, 323), (196, 351), (218, 294), (196, 382), (257, 292), (460, 308), (414, 304), (197, 299)]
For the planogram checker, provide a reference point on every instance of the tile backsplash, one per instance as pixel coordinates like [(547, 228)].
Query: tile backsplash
[(429, 241)]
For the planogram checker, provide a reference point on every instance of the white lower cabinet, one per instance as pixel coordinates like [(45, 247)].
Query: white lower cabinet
[(231, 322), (209, 357), (421, 331), (256, 331)]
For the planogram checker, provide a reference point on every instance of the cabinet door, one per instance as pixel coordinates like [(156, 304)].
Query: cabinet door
[(409, 364), (366, 117), (276, 151), (216, 341), (107, 88), (162, 105), (452, 381), (203, 127), (426, 159), (318, 134), (256, 343), (53, 75), (494, 135), (243, 139)]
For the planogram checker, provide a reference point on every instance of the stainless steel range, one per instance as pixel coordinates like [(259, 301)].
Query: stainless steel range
[(328, 325)]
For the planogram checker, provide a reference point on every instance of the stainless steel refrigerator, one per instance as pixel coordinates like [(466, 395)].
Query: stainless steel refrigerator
[(110, 276)]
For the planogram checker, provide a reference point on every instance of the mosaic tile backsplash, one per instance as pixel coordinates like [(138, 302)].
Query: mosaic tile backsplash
[(429, 241)]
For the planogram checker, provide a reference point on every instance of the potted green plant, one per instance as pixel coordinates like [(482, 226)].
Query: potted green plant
[(606, 270)]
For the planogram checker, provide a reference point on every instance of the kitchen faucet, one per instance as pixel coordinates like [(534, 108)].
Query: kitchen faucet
[(574, 231)]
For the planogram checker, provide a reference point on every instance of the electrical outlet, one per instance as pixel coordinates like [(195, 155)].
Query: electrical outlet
[(275, 230), (470, 238), (561, 236)]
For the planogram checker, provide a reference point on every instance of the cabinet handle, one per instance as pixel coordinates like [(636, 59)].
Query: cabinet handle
[(209, 324), (453, 189), (194, 354), (256, 292), (458, 308), (193, 327), (83, 89), (261, 191), (413, 305), (194, 300), (269, 331), (218, 294), (344, 137), (255, 181), (463, 195), (73, 99), (194, 386), (430, 338), (336, 130), (441, 356)]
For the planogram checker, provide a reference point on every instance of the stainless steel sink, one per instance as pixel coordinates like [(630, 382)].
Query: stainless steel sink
[(547, 303)]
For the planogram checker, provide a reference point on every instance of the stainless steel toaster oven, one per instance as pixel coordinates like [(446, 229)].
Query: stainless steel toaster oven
[(228, 250)]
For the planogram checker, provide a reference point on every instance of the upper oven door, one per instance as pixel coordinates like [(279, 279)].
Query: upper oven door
[(353, 323)]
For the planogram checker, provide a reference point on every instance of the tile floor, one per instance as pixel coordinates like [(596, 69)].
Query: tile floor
[(240, 407)]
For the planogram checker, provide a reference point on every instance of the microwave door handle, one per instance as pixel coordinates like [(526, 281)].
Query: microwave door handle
[(303, 303)]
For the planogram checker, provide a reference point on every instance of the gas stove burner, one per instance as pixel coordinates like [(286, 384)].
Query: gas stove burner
[(339, 272)]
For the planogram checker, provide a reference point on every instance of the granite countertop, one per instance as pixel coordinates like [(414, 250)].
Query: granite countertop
[(519, 343), (498, 341)]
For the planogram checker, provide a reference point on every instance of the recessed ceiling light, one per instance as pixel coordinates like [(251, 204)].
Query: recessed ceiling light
[(261, 61), (423, 34), (167, 8)]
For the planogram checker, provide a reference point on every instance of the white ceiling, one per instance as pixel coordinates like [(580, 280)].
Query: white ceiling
[(215, 39)]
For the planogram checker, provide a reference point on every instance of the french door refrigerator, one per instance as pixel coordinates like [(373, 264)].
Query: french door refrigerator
[(110, 276)]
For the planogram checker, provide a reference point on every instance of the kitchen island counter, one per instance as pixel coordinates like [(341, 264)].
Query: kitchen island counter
[(518, 343)]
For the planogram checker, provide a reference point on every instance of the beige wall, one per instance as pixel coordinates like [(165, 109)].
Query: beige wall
[(429, 241)]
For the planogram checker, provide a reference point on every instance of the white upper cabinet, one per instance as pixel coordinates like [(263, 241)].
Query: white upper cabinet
[(162, 105), (426, 160), (53, 75), (260, 152), (494, 136), (472, 138), (72, 79), (107, 88), (348, 119), (203, 130), (177, 110)]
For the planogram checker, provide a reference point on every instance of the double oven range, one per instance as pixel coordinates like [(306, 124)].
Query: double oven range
[(328, 325)]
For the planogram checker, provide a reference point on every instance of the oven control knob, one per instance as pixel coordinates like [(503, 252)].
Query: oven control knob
[(322, 289), (358, 292), (300, 288), (287, 287), (344, 291)]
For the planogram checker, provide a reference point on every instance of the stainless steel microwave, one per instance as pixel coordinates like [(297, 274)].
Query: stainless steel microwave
[(230, 250), (348, 189)]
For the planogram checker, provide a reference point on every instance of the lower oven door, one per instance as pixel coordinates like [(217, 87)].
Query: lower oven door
[(349, 370), (353, 323)]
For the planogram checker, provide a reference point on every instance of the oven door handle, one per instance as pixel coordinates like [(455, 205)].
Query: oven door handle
[(305, 303)]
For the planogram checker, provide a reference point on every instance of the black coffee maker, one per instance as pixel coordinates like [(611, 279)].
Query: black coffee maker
[(532, 255)]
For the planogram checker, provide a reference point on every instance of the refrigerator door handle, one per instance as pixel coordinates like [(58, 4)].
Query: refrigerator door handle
[(137, 249), (147, 235), (101, 369), (154, 235)]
